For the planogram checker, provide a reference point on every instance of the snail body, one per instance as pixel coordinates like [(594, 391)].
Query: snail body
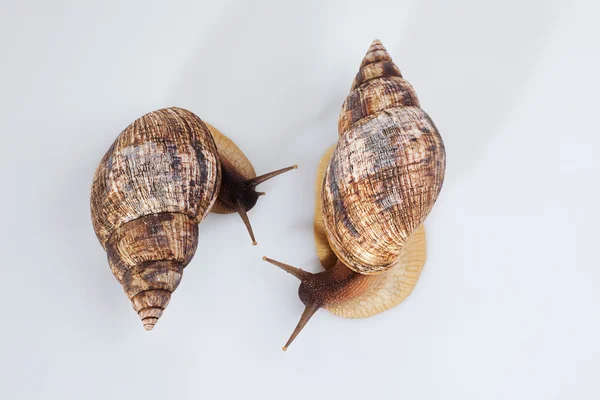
[(163, 174), (381, 180)]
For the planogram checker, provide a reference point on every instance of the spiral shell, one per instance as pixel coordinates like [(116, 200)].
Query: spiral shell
[(154, 185), (386, 171), (382, 291)]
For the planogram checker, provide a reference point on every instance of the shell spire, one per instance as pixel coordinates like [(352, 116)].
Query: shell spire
[(150, 273), (378, 86), (376, 52), (377, 63)]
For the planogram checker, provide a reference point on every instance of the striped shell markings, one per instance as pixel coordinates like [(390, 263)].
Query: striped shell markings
[(155, 184)]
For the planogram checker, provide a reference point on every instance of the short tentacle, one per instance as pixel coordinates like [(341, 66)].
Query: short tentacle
[(265, 177), (242, 212)]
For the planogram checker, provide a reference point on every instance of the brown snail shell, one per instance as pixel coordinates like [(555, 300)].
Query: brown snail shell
[(159, 179), (154, 185), (375, 188), (386, 171)]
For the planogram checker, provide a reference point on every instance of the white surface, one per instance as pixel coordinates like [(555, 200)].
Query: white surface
[(507, 306)]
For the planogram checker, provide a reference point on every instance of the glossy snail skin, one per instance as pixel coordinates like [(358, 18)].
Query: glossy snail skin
[(155, 184), (381, 181), (238, 187)]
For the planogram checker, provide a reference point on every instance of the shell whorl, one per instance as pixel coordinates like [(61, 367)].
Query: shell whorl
[(165, 161), (156, 182), (386, 170), (377, 63), (378, 86)]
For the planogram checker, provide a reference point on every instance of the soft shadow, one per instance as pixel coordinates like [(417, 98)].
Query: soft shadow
[(83, 261)]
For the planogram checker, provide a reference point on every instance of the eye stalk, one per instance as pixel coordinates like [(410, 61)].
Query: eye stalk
[(240, 193), (323, 289), (238, 183)]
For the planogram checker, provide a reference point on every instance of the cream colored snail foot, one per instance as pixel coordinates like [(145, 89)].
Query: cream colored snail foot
[(238, 186)]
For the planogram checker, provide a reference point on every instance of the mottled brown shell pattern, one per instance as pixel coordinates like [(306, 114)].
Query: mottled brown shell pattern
[(155, 184), (165, 161), (386, 170), (378, 292)]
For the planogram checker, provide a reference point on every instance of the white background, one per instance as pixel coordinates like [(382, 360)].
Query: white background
[(507, 305)]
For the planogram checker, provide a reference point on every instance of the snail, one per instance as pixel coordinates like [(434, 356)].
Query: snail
[(375, 188), (163, 174)]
